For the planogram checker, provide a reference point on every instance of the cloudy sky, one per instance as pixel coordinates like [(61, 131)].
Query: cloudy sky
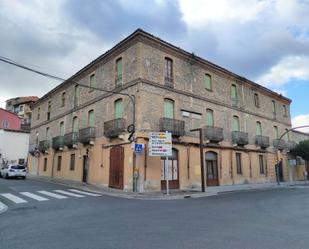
[(266, 41)]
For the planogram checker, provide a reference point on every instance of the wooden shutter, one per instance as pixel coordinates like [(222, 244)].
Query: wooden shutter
[(235, 123), (118, 108), (168, 109), (209, 118)]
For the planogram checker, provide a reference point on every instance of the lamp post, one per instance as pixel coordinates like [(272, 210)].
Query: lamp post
[(200, 130), (278, 151)]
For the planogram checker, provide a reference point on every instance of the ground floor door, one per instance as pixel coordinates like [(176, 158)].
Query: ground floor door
[(280, 171), (211, 165), (85, 168), (169, 171), (116, 168)]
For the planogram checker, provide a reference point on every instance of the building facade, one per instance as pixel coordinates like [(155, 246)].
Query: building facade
[(9, 120), (80, 133)]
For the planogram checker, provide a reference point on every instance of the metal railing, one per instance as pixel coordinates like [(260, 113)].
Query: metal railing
[(115, 127), (70, 139), (87, 134), (58, 142), (262, 141), (44, 145), (176, 127), (239, 137), (279, 145), (213, 134)]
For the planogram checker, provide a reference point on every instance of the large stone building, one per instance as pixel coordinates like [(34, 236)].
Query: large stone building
[(81, 133)]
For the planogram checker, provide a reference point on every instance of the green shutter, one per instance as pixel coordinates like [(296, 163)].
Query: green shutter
[(209, 118), (276, 132), (168, 109), (273, 106), (118, 109), (207, 82), (91, 119), (234, 92), (235, 123), (76, 95), (119, 69), (258, 130), (75, 125), (92, 80), (47, 133), (61, 129)]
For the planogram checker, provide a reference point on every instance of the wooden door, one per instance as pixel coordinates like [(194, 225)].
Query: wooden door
[(173, 173), (116, 167), (85, 168), (211, 165)]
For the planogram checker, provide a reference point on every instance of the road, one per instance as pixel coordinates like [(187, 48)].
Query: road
[(253, 219)]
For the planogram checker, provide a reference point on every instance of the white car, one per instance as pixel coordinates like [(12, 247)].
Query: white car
[(13, 170)]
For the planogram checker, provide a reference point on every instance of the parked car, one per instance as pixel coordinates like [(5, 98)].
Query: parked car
[(13, 170)]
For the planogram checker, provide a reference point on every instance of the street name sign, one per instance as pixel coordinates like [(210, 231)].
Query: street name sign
[(160, 144)]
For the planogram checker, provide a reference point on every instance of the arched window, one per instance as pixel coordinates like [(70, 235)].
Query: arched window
[(92, 80), (285, 111), (273, 106), (168, 108), (63, 99), (276, 132), (38, 113), (209, 117), (119, 71), (256, 100), (118, 108), (75, 124), (168, 70), (91, 118), (76, 95), (258, 128), (234, 95), (235, 125), (47, 133), (61, 128), (207, 82)]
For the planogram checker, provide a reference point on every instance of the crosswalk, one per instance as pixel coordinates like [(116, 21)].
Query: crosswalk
[(43, 195)]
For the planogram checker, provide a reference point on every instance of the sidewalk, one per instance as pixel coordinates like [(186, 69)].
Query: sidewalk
[(174, 194)]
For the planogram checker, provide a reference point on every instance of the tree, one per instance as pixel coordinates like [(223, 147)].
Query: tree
[(302, 150)]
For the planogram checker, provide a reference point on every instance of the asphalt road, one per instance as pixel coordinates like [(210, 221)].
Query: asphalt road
[(254, 219)]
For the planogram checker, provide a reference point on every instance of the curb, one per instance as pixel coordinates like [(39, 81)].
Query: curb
[(3, 208)]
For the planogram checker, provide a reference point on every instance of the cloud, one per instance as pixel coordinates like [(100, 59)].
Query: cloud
[(300, 121)]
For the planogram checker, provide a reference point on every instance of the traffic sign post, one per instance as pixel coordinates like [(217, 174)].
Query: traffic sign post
[(160, 144)]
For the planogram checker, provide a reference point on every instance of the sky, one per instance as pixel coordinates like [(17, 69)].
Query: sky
[(266, 41)]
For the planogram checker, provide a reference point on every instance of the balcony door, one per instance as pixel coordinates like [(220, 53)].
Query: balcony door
[(172, 174), (211, 164)]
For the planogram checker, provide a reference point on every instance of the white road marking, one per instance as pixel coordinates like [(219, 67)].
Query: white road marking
[(14, 198), (34, 196), (52, 194), (83, 192), (68, 193)]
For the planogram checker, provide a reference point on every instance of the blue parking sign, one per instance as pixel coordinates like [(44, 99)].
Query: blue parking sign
[(138, 148)]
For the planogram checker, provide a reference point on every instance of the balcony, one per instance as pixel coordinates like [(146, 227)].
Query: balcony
[(176, 127), (240, 138), (114, 127), (58, 142), (32, 148), (290, 145), (25, 127), (87, 135), (213, 134), (278, 145), (262, 141), (70, 139), (44, 146)]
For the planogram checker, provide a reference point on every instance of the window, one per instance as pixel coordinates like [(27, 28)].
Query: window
[(72, 162), (261, 161), (234, 95), (61, 128), (285, 112), (5, 124), (238, 163), (76, 95), (256, 100), (59, 163), (276, 132), (207, 82), (45, 164), (209, 117), (273, 106), (48, 110), (75, 124), (38, 114), (91, 118), (168, 70), (119, 71), (92, 80), (21, 161), (118, 108), (63, 99), (287, 135), (21, 108), (258, 128), (47, 133), (168, 108), (235, 125)]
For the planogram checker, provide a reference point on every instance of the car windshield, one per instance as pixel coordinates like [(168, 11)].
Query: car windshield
[(17, 167)]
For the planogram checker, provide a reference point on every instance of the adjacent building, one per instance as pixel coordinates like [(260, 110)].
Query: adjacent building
[(80, 133)]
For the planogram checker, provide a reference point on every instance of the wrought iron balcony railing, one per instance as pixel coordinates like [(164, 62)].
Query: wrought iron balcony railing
[(44, 146), (115, 127), (58, 142), (262, 141), (278, 145), (70, 139), (213, 134), (290, 145), (176, 127), (240, 138), (87, 135), (32, 148)]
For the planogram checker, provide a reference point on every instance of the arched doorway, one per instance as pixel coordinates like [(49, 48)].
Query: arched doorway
[(211, 163), (173, 174)]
